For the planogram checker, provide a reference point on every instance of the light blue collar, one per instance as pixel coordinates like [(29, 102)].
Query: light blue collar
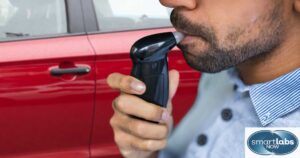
[(273, 99)]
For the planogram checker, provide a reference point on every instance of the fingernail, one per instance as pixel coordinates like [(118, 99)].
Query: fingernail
[(165, 116), (137, 86)]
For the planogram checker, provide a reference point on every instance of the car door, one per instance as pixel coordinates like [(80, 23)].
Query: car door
[(47, 80), (119, 25)]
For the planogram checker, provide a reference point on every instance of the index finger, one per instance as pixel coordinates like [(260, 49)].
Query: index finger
[(125, 83)]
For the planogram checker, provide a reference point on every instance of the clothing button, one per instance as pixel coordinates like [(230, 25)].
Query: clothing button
[(235, 87), (202, 140), (227, 114)]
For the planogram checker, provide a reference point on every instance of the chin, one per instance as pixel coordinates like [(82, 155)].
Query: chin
[(204, 62), (191, 61)]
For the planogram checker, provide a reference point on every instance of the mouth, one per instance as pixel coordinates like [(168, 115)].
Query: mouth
[(189, 37), (182, 31)]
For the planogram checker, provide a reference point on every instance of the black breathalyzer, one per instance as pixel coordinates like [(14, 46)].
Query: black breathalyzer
[(150, 64)]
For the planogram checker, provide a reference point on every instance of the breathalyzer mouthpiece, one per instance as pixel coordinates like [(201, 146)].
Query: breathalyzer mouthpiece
[(178, 36)]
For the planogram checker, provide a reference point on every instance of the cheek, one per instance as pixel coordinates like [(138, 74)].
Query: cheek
[(226, 15)]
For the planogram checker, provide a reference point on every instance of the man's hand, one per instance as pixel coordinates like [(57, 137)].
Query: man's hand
[(137, 138)]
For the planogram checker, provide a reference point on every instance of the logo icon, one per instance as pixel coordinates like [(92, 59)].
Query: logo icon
[(268, 142)]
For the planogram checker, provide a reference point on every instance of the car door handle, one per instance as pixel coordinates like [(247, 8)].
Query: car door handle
[(73, 71)]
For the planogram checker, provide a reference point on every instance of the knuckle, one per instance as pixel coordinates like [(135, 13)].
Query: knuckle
[(119, 101), (125, 82), (118, 120), (145, 145), (121, 139), (117, 138), (113, 121), (155, 145), (114, 103), (149, 145), (126, 153)]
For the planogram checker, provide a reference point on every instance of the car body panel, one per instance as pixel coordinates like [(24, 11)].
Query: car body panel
[(42, 115)]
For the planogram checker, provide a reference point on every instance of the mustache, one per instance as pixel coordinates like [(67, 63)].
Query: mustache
[(183, 24)]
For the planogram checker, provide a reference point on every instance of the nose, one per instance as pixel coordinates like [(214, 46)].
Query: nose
[(187, 4)]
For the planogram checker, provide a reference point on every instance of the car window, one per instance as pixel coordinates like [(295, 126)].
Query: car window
[(25, 18), (116, 15)]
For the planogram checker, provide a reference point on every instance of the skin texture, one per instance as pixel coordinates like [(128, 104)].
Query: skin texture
[(261, 38), (210, 50), (241, 33)]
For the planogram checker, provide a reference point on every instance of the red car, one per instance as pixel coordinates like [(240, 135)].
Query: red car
[(55, 56)]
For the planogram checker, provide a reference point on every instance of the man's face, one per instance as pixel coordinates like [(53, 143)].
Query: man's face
[(225, 33)]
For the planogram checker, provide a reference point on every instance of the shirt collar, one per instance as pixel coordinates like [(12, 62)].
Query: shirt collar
[(273, 99)]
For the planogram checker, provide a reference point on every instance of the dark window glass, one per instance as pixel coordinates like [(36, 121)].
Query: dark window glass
[(121, 15), (26, 18)]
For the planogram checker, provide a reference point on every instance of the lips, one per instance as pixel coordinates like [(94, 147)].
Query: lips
[(192, 36), (189, 37), (182, 31)]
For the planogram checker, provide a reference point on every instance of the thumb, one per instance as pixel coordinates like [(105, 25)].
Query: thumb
[(173, 85)]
